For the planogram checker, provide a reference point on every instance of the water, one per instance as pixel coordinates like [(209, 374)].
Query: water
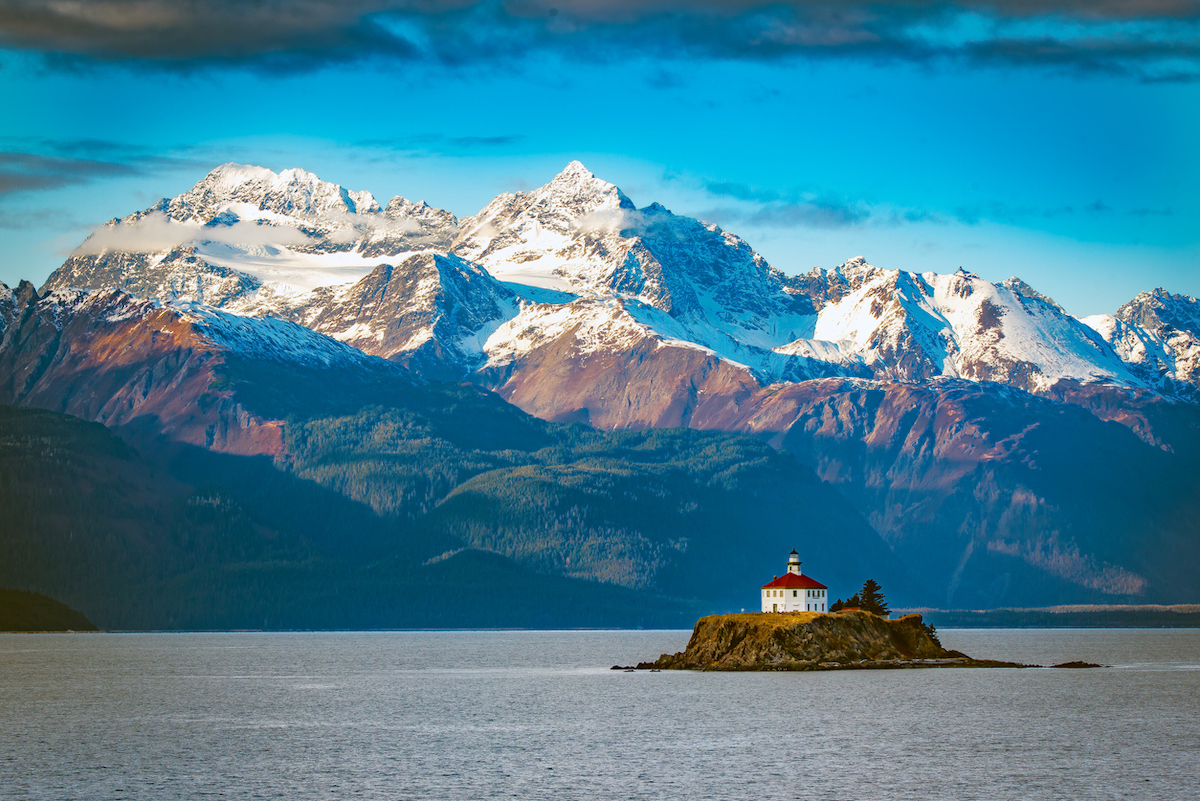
[(531, 715)]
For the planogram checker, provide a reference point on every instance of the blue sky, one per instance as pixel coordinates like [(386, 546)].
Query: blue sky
[(1055, 141)]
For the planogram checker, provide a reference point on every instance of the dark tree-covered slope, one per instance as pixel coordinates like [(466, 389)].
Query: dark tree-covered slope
[(364, 467), (32, 611)]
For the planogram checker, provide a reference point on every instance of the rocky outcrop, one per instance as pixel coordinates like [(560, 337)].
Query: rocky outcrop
[(812, 641)]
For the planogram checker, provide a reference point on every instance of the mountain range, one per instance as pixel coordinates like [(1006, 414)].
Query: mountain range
[(993, 448)]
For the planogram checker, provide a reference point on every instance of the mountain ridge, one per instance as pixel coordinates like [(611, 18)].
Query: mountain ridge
[(933, 403), (293, 246)]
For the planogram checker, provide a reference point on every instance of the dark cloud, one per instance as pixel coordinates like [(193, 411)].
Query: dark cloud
[(75, 162), (441, 143), (57, 219), (803, 214), (1149, 39), (996, 211), (815, 214), (28, 171), (910, 216), (740, 191), (772, 208)]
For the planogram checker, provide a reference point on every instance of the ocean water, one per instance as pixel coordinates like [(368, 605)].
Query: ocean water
[(538, 715)]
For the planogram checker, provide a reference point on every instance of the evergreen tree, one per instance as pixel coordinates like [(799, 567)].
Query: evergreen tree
[(872, 598), (852, 602)]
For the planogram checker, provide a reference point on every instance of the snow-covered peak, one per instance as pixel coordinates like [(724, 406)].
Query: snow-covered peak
[(1157, 331), (1160, 309), (912, 326), (1019, 287), (574, 171), (583, 235), (228, 177), (243, 237), (576, 185), (256, 193), (822, 286), (559, 208)]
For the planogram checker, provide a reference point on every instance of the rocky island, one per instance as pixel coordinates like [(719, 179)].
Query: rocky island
[(846, 640)]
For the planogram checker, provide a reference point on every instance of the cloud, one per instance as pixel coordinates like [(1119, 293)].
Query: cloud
[(823, 215), (740, 191), (38, 218), (441, 143), (21, 172), (631, 221), (815, 214), (1148, 39), (75, 162), (774, 209), (155, 232)]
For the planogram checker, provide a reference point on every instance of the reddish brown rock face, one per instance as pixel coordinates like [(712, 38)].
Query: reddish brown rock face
[(648, 386), (118, 361)]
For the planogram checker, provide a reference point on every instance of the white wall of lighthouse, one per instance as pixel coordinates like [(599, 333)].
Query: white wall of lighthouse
[(786, 600)]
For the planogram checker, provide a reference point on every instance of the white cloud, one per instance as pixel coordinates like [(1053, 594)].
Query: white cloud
[(156, 232)]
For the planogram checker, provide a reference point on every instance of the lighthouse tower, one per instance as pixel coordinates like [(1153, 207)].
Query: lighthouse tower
[(794, 591)]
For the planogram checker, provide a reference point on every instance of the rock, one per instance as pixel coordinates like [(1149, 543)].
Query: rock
[(813, 641)]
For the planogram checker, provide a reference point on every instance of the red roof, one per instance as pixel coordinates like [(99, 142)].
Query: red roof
[(790, 581)]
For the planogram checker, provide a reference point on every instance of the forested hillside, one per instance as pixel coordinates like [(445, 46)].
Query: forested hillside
[(402, 517)]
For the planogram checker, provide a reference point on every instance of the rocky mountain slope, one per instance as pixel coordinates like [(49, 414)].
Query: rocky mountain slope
[(1158, 333), (439, 470), (108, 357), (578, 249), (935, 403)]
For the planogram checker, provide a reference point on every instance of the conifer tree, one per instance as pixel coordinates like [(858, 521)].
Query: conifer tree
[(872, 598), (852, 602)]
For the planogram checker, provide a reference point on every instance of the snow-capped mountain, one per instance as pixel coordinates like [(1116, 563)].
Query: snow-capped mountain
[(677, 279), (538, 285), (936, 402), (253, 241), (430, 311), (913, 327), (582, 235), (1156, 331)]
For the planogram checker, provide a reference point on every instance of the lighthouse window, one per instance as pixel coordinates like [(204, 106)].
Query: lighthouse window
[(793, 593)]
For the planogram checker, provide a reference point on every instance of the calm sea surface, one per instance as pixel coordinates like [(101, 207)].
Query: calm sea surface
[(472, 715)]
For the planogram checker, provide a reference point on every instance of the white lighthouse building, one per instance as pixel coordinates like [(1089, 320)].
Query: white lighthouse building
[(794, 591)]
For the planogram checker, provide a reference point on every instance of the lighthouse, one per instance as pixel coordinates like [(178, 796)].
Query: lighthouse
[(794, 591)]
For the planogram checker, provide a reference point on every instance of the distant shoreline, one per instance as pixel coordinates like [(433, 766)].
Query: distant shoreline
[(1116, 616), (1183, 616)]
